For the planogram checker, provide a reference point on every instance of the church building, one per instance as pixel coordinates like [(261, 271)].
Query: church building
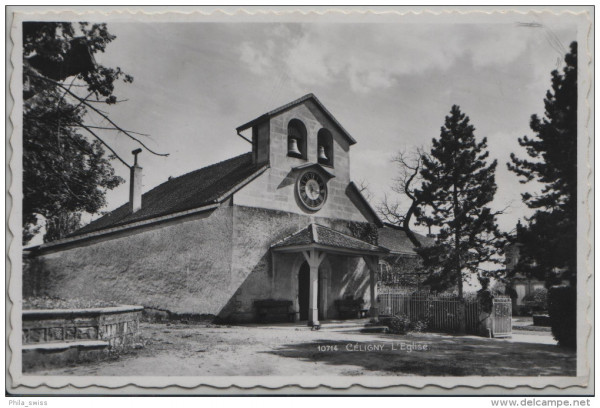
[(282, 224)]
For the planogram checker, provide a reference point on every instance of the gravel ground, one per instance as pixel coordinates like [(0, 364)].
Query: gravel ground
[(200, 350)]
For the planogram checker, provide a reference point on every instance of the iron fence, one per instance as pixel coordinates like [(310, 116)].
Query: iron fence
[(443, 312)]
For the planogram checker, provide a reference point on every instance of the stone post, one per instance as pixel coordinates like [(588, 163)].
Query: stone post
[(314, 259)]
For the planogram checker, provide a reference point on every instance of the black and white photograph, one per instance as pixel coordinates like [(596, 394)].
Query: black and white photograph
[(310, 199)]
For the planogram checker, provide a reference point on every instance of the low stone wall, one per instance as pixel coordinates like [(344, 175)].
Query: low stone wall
[(118, 326)]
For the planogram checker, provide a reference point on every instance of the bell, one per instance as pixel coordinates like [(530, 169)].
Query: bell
[(293, 147), (322, 155)]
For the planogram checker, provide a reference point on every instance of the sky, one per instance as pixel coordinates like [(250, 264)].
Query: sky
[(389, 85)]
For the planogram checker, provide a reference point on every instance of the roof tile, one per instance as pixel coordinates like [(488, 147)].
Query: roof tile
[(395, 239), (319, 234), (186, 192)]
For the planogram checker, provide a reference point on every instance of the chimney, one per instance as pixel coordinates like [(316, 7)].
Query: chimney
[(135, 184)]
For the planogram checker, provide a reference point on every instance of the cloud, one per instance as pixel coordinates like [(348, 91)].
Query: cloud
[(373, 57), (309, 61), (498, 46), (257, 60)]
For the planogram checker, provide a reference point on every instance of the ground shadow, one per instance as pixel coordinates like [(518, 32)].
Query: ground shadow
[(443, 356)]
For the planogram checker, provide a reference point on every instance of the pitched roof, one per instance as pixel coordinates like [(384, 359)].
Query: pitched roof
[(290, 105), (327, 237), (198, 188), (369, 209), (395, 239)]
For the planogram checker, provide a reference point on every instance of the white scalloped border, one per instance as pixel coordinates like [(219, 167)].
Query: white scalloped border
[(32, 385)]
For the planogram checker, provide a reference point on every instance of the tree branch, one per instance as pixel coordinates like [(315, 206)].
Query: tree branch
[(116, 101), (410, 168), (104, 143), (101, 114), (110, 128)]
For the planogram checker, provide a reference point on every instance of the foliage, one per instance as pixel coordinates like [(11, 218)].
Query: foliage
[(399, 324), (63, 171), (458, 184), (52, 41), (550, 242), (364, 231), (535, 302), (61, 225), (402, 271), (419, 326), (562, 308), (539, 296)]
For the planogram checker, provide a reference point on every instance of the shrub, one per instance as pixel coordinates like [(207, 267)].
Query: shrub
[(562, 308), (419, 326), (540, 295), (537, 300), (399, 324), (541, 320)]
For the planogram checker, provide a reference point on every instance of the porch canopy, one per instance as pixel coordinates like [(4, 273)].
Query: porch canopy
[(315, 242)]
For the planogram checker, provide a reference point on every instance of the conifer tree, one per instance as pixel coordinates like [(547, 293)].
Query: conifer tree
[(458, 184), (549, 244)]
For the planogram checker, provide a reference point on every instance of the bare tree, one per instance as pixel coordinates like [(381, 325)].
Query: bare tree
[(408, 180), (363, 187)]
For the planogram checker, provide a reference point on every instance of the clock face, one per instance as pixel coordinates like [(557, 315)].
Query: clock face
[(312, 190)]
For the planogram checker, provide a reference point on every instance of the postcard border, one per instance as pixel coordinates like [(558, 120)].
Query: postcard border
[(32, 385)]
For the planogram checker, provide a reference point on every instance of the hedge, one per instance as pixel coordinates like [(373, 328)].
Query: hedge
[(562, 308)]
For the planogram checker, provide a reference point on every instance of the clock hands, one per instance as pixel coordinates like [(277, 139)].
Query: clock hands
[(312, 190)]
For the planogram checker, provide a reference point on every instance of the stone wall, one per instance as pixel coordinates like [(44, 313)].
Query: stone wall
[(118, 326), (216, 264), (54, 338), (182, 266)]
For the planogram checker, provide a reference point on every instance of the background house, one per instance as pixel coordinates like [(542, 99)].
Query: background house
[(401, 270), (523, 285)]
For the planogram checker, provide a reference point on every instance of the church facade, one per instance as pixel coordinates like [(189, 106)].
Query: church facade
[(283, 222)]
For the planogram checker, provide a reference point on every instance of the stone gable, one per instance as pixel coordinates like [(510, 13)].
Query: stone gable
[(276, 188)]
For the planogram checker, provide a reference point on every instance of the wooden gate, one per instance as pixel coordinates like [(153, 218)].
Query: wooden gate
[(501, 317)]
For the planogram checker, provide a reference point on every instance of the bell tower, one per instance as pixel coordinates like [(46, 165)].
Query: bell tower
[(308, 156), (300, 132)]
